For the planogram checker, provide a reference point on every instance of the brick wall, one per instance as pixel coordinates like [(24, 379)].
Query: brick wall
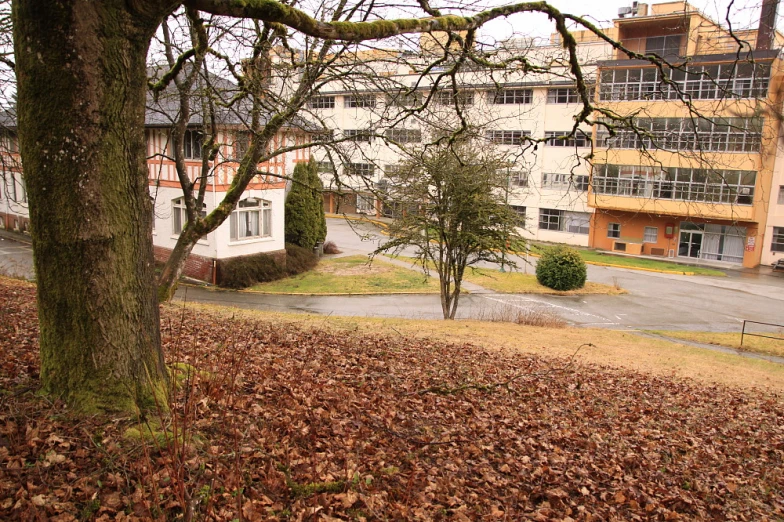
[(197, 267), (14, 222)]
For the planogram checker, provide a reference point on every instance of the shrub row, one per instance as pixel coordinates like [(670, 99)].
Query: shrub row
[(246, 271)]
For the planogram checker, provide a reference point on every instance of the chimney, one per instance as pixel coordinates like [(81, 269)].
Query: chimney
[(767, 24)]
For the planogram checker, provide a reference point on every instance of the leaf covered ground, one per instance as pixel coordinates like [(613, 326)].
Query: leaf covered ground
[(272, 421)]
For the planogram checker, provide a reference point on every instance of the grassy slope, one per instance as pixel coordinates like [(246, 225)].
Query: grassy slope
[(612, 348), (352, 275)]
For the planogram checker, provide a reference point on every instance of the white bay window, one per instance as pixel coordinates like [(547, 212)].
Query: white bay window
[(251, 220)]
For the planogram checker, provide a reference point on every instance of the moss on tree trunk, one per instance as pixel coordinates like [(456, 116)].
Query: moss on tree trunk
[(81, 102)]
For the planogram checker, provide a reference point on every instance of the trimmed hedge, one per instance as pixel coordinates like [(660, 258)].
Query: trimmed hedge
[(245, 271), (561, 268)]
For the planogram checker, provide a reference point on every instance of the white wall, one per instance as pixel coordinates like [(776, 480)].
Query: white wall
[(217, 244)]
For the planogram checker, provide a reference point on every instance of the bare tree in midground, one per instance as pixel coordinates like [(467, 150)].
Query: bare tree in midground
[(453, 211)]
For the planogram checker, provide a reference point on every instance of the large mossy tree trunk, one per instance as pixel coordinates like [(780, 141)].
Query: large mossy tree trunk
[(81, 76)]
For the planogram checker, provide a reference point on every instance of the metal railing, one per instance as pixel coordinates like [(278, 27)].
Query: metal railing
[(743, 332)]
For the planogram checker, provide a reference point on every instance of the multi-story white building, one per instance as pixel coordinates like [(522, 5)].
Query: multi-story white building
[(549, 180)]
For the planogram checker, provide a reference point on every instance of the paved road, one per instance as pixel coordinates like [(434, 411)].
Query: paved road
[(16, 259), (655, 301)]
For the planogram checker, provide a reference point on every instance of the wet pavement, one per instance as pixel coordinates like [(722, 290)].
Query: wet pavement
[(655, 301)]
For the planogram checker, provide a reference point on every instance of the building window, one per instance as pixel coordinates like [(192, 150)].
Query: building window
[(404, 135), (550, 219), (360, 101), (180, 214), (404, 99), (241, 144), (651, 235), (781, 194), (325, 166), (366, 203), (9, 141), (560, 181), (731, 80), (510, 96), (702, 135), (665, 46), (251, 219), (578, 222), (507, 137), (563, 95), (563, 139), (358, 135), (777, 245), (359, 169), (518, 178), (447, 97), (322, 102), (193, 141), (713, 186), (520, 211), (614, 230)]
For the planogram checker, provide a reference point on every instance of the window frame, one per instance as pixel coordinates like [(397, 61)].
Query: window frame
[(362, 170), (241, 141), (358, 135), (404, 135), (556, 96), (506, 137), (551, 219), (614, 230), (579, 140), (777, 239), (322, 102), (245, 210), (646, 238), (359, 101), (511, 96), (180, 214), (192, 141)]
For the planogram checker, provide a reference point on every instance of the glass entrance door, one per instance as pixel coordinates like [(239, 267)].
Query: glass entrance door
[(690, 244)]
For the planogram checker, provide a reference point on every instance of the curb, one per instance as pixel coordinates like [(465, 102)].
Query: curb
[(357, 218), (15, 236), (335, 294)]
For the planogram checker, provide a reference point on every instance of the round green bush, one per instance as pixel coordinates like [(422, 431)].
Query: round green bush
[(561, 268)]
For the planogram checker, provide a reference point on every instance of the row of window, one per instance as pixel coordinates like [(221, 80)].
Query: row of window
[(718, 135), (500, 137), (561, 95), (252, 219), (517, 178), (713, 186), (562, 139), (704, 82)]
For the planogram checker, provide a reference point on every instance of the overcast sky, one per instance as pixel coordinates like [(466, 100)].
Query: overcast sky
[(743, 14)]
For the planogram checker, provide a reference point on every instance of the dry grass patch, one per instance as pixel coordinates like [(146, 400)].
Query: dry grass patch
[(518, 283), (613, 348), (353, 275), (731, 340)]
